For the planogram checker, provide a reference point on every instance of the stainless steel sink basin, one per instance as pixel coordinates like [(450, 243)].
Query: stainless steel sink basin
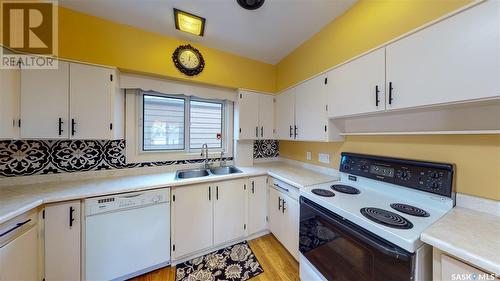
[(189, 174), (226, 170)]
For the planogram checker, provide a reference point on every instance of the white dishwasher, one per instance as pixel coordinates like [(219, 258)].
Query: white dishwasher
[(126, 234)]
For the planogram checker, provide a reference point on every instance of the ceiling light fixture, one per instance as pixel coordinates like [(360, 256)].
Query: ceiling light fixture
[(189, 23), (250, 4)]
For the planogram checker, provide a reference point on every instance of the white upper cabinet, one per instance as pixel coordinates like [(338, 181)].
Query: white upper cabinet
[(311, 119), (91, 102), (266, 116), (229, 210), (247, 115), (254, 116), (284, 109), (44, 102), (74, 101), (358, 86), (455, 60), (9, 103)]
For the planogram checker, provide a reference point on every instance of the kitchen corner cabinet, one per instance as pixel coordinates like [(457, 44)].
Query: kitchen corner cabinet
[(9, 103), (455, 60), (229, 210), (257, 204), (357, 87), (284, 220), (254, 116), (74, 101), (302, 112), (62, 241)]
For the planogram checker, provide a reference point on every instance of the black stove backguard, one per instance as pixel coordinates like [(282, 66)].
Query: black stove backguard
[(343, 251), (432, 177)]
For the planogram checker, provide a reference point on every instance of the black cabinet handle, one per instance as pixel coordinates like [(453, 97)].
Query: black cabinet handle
[(253, 187), (60, 126), (209, 193), (390, 92), (262, 131), (217, 192), (71, 219), (376, 95), (73, 124), (283, 206), (279, 203), (18, 225), (257, 131), (291, 129), (295, 131)]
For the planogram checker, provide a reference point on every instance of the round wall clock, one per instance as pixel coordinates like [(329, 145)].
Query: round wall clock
[(188, 60)]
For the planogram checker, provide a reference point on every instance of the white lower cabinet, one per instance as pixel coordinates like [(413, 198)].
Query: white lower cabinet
[(192, 219), (62, 241), (229, 210), (19, 258), (284, 220), (257, 205)]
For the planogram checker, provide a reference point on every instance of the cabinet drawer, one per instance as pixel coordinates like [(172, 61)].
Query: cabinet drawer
[(285, 188)]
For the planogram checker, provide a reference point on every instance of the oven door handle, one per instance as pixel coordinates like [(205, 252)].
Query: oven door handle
[(357, 232)]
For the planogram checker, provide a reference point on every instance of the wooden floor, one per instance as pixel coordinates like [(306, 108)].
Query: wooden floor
[(277, 263)]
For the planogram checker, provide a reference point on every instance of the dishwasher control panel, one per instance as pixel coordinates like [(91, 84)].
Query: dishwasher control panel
[(98, 205)]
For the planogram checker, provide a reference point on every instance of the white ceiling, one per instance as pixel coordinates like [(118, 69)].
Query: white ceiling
[(267, 34)]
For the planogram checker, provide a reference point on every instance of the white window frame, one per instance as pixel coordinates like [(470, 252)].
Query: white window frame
[(134, 130)]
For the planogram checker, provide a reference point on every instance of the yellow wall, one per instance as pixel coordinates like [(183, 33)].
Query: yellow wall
[(86, 38), (366, 25)]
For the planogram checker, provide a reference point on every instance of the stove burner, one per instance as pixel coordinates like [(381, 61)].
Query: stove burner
[(386, 218), (323, 192), (409, 209), (345, 189)]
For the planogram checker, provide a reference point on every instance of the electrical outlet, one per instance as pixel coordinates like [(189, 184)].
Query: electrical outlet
[(309, 155), (324, 158)]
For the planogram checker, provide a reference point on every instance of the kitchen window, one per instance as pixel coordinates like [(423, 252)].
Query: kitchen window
[(178, 123)]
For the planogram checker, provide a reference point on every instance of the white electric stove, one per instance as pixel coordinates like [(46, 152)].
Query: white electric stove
[(367, 225)]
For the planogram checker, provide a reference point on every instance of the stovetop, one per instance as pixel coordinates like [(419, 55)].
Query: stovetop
[(375, 199)]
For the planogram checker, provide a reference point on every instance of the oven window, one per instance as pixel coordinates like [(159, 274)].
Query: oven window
[(339, 255)]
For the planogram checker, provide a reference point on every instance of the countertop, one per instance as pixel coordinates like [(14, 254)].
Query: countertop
[(468, 235), (17, 199)]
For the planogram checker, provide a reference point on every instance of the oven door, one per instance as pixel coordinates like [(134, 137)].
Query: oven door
[(341, 250)]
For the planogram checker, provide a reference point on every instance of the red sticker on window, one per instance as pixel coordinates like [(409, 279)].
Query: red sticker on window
[(219, 136)]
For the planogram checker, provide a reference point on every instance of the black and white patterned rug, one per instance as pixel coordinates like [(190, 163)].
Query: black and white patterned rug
[(236, 262)]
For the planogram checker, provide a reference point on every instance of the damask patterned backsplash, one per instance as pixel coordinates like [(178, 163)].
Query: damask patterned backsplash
[(265, 149), (39, 157)]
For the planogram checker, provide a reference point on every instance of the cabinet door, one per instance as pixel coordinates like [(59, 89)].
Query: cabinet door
[(9, 103), (290, 209), (454, 60), (19, 258), (192, 219), (247, 111), (257, 204), (266, 117), (62, 241), (358, 86), (310, 110), (44, 102), (275, 214), (229, 210), (90, 102), (284, 113)]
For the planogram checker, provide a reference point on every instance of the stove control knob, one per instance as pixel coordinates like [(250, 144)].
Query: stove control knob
[(404, 174), (434, 185), (347, 167), (364, 167), (434, 175)]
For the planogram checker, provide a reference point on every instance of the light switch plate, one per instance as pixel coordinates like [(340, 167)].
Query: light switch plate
[(324, 158), (308, 155)]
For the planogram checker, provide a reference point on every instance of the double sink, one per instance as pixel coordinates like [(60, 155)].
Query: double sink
[(198, 173)]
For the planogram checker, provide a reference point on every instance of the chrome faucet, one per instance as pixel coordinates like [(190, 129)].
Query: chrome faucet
[(204, 148), (222, 162)]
